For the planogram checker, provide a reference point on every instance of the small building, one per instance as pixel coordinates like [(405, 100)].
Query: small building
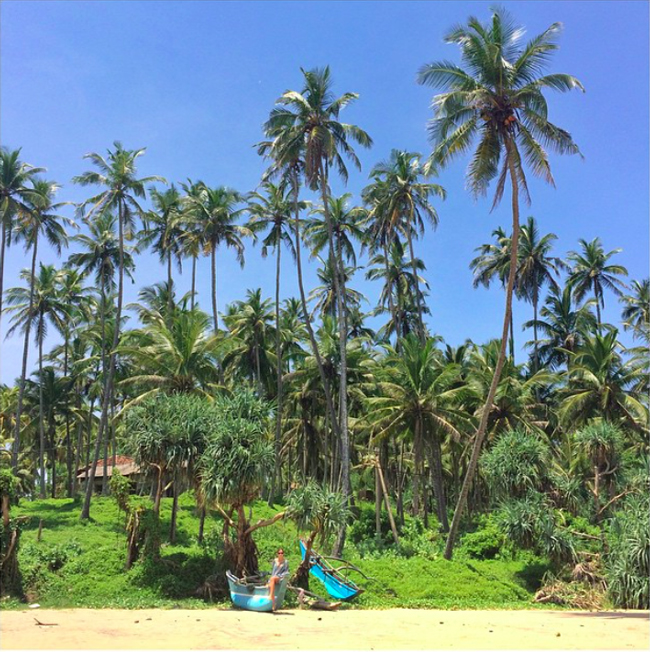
[(124, 464)]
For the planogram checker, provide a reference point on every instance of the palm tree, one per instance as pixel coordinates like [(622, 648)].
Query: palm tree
[(535, 268), (272, 211), (419, 396), (34, 305), (191, 232), (122, 190), (564, 327), (214, 211), (163, 230), (601, 384), (325, 295), (591, 273), (403, 205), (499, 100), (399, 287), (15, 191), (38, 219), (636, 311), (249, 322), (305, 126), (173, 354)]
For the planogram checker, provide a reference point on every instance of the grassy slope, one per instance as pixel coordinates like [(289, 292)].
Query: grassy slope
[(82, 565)]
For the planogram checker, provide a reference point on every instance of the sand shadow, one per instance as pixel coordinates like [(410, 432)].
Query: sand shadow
[(643, 615)]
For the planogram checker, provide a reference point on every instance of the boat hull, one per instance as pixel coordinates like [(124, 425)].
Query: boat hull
[(255, 597), (336, 586)]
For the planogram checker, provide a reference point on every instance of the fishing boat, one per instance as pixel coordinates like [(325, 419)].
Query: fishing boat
[(254, 594), (336, 583)]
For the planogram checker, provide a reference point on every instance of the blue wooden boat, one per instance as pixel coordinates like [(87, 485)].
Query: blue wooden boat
[(336, 584), (253, 594)]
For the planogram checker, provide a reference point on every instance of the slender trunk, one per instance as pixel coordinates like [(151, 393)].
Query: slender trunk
[(377, 504), (305, 310), (41, 420), (417, 287), (213, 262), (170, 285), (85, 512), (387, 501), (337, 267), (600, 330), (480, 433), (106, 442), (192, 300), (439, 485), (79, 443), (536, 353), (278, 356), (3, 245), (23, 373), (512, 339), (172, 528), (52, 441), (415, 503), (68, 441), (391, 305)]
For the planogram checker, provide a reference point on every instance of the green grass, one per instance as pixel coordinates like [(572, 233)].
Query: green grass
[(82, 564)]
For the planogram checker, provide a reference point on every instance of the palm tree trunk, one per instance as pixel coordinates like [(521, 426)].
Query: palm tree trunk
[(337, 266), (439, 485), (79, 443), (23, 373), (278, 356), (3, 245), (536, 352), (305, 310), (391, 305), (600, 330), (192, 300), (480, 433), (213, 262), (170, 285), (68, 441), (41, 420), (512, 339), (85, 512), (417, 287)]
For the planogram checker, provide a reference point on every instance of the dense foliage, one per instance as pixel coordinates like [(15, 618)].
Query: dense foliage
[(299, 402)]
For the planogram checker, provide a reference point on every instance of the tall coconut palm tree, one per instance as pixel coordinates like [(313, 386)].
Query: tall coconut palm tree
[(324, 295), (191, 231), (249, 322), (122, 190), (498, 100), (404, 205), (35, 305), (15, 191), (215, 211), (636, 311), (419, 395), (600, 384), (163, 229), (591, 273), (38, 219), (305, 126), (564, 326), (535, 269), (272, 211)]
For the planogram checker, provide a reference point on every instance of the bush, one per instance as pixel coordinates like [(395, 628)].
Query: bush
[(487, 542), (627, 562)]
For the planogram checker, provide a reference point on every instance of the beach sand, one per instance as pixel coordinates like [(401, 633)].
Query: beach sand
[(392, 629)]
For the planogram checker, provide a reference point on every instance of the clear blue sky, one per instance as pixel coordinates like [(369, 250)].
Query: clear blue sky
[(194, 81)]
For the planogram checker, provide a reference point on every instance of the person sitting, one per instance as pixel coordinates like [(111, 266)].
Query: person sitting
[(279, 571)]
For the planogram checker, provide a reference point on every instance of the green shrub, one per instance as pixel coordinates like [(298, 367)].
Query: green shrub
[(487, 542), (627, 562)]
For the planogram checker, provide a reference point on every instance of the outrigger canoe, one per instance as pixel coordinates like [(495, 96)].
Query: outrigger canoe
[(336, 584), (253, 594)]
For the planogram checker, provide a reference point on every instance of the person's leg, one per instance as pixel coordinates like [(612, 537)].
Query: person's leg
[(272, 582)]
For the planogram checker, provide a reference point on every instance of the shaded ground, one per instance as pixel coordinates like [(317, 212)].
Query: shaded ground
[(404, 629)]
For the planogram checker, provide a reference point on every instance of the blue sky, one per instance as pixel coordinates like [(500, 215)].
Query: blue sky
[(194, 81)]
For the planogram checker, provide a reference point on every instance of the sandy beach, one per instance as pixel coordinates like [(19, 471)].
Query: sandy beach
[(394, 629)]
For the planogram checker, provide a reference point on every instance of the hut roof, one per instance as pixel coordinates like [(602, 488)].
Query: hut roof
[(124, 464)]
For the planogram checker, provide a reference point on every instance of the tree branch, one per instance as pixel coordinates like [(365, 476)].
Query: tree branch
[(268, 521)]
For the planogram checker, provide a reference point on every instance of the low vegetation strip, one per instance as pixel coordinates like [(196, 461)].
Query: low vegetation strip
[(81, 564)]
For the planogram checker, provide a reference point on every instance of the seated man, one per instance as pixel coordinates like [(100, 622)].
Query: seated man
[(279, 570)]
